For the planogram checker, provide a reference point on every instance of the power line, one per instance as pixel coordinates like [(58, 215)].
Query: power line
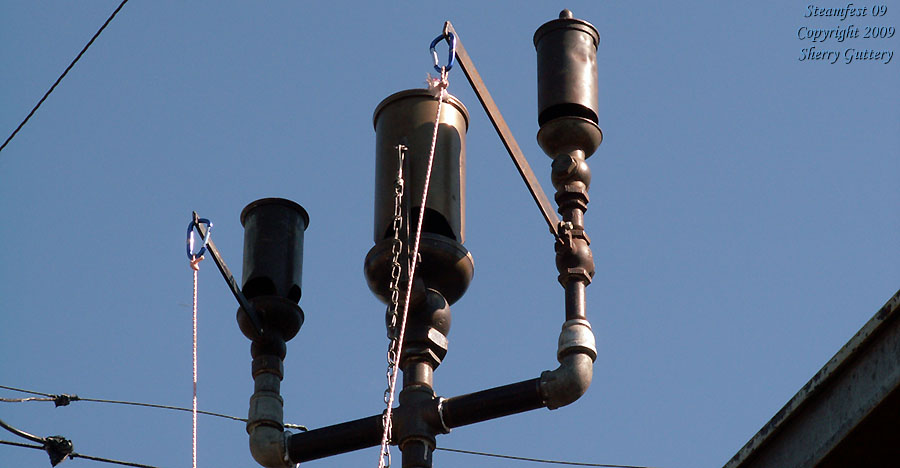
[(97, 34), (64, 399), (32, 392), (22, 433), (537, 460), (78, 455)]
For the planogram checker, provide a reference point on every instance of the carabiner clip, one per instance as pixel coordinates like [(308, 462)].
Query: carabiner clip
[(195, 223), (451, 39)]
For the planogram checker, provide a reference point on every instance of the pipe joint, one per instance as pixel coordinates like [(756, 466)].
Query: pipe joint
[(266, 409), (265, 419), (268, 446), (576, 354), (574, 259), (576, 337)]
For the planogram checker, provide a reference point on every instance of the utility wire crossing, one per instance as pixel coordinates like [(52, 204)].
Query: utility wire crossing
[(64, 400), (64, 73)]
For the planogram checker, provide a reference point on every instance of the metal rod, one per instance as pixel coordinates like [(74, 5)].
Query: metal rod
[(229, 278), (506, 136)]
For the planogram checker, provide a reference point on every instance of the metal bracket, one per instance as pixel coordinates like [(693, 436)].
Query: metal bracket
[(229, 278), (506, 136)]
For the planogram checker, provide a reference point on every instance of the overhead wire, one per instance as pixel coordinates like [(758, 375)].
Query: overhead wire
[(64, 73), (64, 399), (79, 455), (22, 433), (537, 460)]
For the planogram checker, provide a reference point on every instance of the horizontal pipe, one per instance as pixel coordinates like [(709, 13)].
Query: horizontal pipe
[(492, 403), (336, 439)]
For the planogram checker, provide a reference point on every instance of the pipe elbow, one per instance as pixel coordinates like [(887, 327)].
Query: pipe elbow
[(265, 423), (568, 382), (269, 448), (576, 355)]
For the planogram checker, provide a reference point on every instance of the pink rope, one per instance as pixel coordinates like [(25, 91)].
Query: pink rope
[(196, 267)]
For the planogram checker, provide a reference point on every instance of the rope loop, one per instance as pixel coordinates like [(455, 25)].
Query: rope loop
[(451, 40), (195, 223)]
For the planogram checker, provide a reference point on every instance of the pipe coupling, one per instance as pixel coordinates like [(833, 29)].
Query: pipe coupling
[(266, 409), (576, 337)]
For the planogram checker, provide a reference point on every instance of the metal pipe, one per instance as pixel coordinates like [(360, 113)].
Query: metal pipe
[(336, 439), (418, 373), (492, 403), (569, 381), (575, 300), (265, 420)]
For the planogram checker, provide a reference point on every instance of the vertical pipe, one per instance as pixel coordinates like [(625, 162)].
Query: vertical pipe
[(575, 301)]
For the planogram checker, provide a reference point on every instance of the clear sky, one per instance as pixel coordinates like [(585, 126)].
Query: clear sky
[(743, 216)]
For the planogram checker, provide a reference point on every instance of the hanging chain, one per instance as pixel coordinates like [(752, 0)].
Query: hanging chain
[(393, 314), (439, 87)]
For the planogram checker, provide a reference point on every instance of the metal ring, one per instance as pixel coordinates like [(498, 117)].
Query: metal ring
[(190, 237), (451, 39)]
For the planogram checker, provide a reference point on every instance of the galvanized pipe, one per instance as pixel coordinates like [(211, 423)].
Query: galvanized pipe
[(265, 419)]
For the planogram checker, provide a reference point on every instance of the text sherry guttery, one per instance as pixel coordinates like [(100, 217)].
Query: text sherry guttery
[(843, 33)]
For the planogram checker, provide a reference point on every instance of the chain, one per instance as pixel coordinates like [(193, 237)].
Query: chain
[(393, 314)]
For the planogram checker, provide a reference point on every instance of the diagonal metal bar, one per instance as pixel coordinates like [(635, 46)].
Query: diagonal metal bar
[(506, 136), (229, 278)]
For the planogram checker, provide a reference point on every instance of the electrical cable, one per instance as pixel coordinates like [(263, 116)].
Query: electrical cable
[(22, 433), (32, 392), (537, 460), (78, 455), (58, 80), (63, 400)]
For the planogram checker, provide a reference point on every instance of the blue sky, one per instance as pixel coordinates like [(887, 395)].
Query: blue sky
[(743, 217)]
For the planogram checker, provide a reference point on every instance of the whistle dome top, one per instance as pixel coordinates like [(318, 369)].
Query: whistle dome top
[(567, 21), (412, 93)]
